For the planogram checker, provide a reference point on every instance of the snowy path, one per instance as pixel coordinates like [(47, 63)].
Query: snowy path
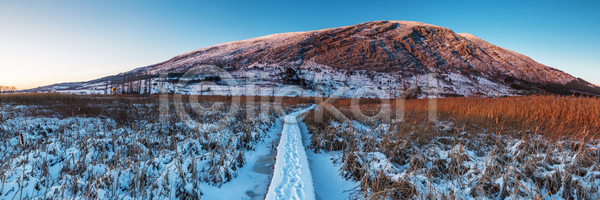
[(292, 178)]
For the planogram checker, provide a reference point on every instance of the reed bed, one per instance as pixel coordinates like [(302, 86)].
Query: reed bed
[(553, 116), (531, 147)]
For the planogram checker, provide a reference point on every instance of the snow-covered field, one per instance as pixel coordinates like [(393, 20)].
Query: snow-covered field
[(96, 157), (448, 160), (126, 150)]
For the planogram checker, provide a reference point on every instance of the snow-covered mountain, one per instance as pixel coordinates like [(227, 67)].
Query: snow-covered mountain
[(389, 55)]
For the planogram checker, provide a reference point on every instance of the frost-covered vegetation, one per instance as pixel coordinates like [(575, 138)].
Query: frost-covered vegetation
[(458, 157), (102, 147), (63, 146)]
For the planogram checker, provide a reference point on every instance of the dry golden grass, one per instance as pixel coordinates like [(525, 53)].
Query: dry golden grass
[(34, 98), (555, 117), (118, 106), (552, 116)]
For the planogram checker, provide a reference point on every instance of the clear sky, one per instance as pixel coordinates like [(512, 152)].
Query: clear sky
[(45, 42)]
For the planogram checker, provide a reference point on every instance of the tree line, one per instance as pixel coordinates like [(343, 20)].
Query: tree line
[(7, 89)]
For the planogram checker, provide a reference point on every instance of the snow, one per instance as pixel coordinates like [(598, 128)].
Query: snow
[(107, 160), (477, 163), (252, 183), (292, 177), (325, 168), (328, 183), (263, 81), (89, 145)]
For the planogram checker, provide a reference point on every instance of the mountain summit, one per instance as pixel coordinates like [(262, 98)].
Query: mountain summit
[(383, 54)]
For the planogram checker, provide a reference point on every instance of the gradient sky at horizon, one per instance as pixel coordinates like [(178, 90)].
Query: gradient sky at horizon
[(46, 42)]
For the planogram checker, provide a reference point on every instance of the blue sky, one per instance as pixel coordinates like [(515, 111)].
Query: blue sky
[(45, 42)]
